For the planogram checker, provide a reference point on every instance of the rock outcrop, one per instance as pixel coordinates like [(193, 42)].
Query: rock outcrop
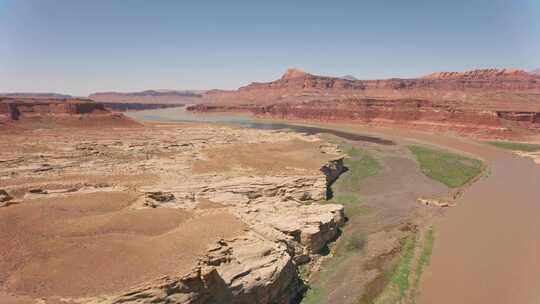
[(166, 186), (5, 198), (37, 112), (244, 270)]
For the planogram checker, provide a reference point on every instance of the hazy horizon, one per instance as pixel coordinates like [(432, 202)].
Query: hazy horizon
[(79, 48)]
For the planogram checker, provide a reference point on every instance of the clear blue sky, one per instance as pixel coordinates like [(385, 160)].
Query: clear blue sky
[(79, 47)]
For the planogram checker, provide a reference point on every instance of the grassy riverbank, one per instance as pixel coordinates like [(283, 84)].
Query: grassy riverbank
[(451, 169), (345, 191), (398, 272), (515, 146), (405, 278)]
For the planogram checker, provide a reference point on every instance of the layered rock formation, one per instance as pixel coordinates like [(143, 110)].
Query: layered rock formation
[(29, 113), (401, 111), (487, 79), (172, 214), (474, 100)]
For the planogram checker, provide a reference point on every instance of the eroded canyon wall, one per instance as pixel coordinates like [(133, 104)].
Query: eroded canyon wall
[(474, 100), (71, 112)]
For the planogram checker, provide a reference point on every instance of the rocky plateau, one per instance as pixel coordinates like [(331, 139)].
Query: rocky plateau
[(167, 214)]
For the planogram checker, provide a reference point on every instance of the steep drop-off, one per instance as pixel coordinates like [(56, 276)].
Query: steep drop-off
[(167, 214)]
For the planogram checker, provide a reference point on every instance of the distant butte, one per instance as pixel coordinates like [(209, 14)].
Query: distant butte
[(148, 96), (17, 114)]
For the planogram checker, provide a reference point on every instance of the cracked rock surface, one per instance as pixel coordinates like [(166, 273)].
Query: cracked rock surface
[(165, 214)]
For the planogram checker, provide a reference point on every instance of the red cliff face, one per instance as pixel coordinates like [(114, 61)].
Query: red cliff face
[(510, 89), (26, 112), (489, 79), (413, 112), (295, 79), (480, 99), (16, 108)]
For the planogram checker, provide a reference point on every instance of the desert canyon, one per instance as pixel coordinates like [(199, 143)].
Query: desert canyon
[(324, 198), (135, 213)]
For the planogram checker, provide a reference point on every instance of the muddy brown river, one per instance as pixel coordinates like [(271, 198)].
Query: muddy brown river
[(487, 248)]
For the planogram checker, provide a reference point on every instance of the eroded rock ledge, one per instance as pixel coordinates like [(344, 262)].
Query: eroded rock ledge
[(275, 193)]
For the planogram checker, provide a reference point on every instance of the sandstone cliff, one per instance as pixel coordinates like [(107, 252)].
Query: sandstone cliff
[(28, 113), (489, 79), (473, 100), (402, 111)]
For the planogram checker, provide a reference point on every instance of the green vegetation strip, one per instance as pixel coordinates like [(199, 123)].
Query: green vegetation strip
[(345, 190), (399, 282), (451, 169), (515, 146), (425, 255), (361, 165), (423, 261), (403, 283)]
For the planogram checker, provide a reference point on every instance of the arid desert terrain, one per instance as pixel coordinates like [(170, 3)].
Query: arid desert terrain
[(308, 189)]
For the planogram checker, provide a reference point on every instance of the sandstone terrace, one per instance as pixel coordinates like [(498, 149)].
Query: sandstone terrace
[(125, 207)]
